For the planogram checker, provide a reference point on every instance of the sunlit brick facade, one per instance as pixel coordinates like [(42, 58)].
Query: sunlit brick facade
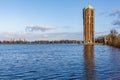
[(88, 21)]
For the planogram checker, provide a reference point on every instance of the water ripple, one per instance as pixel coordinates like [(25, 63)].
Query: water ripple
[(59, 62)]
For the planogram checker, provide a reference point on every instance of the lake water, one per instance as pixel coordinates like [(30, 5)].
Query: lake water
[(59, 62)]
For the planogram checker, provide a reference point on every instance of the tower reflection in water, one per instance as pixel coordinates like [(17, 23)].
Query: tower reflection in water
[(89, 62)]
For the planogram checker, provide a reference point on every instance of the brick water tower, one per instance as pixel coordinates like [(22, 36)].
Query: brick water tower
[(88, 22)]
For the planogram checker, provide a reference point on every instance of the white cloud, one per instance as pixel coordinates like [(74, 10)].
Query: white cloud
[(40, 36), (40, 28), (116, 14)]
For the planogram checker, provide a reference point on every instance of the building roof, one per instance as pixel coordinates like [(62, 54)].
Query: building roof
[(89, 6)]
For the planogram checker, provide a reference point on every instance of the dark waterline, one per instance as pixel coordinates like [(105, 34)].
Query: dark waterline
[(59, 62)]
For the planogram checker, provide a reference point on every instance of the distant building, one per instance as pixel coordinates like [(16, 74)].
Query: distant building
[(88, 22)]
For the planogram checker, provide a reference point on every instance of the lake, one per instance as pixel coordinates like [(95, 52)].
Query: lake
[(59, 62)]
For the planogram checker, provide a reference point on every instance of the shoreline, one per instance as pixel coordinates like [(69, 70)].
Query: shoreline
[(42, 42)]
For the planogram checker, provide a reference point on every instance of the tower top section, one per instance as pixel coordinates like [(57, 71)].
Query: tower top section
[(89, 6)]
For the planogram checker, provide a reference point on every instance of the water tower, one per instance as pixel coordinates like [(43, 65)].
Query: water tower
[(88, 22)]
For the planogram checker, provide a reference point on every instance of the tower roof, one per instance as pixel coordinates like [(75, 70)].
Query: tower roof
[(89, 6)]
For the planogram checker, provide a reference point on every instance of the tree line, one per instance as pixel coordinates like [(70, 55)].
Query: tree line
[(39, 41), (112, 39)]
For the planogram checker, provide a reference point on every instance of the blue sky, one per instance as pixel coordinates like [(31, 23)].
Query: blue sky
[(58, 19)]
